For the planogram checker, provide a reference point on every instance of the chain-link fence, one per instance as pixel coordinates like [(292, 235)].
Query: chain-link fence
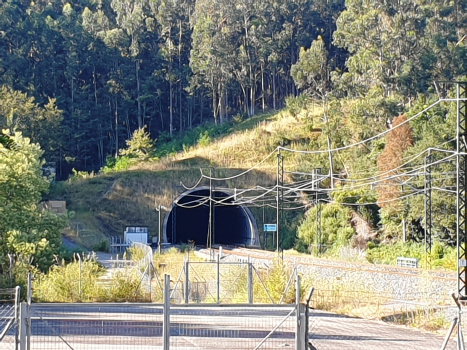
[(96, 326), (224, 282), (163, 326), (140, 326), (234, 327), (361, 320), (9, 318)]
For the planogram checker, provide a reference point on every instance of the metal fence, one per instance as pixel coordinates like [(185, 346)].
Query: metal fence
[(116, 326), (356, 320), (222, 282), (9, 318)]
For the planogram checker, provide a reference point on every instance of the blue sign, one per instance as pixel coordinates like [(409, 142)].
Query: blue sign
[(270, 227)]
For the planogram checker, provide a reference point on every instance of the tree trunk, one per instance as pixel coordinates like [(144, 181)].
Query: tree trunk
[(170, 108), (263, 104), (274, 89), (180, 75), (116, 128), (138, 85)]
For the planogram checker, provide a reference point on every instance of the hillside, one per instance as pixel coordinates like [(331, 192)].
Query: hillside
[(105, 203), (242, 155)]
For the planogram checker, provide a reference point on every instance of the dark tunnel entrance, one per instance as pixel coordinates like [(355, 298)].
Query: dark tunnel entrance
[(189, 220)]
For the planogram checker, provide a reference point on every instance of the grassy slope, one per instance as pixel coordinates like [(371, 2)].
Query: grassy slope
[(105, 203)]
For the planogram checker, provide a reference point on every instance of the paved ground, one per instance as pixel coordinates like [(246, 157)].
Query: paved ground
[(139, 326), (331, 331)]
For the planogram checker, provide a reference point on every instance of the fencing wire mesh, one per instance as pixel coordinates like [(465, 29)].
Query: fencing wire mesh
[(96, 326), (139, 326), (360, 320), (9, 321), (233, 327), (226, 282), (212, 282)]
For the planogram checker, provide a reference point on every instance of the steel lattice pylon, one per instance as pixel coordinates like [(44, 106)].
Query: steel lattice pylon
[(461, 189)]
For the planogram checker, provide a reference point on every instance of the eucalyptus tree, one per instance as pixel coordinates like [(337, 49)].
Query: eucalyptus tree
[(132, 17), (42, 124), (212, 53), (174, 31), (400, 46)]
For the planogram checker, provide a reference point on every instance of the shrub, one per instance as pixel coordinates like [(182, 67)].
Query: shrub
[(70, 283), (335, 230), (204, 139)]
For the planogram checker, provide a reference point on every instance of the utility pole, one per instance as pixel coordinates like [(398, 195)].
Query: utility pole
[(318, 224), (159, 208), (279, 196), (211, 213), (428, 210)]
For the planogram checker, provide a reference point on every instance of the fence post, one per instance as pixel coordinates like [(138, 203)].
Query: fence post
[(307, 315), (166, 322), (218, 291), (23, 322), (298, 312), (29, 301), (187, 281), (250, 281)]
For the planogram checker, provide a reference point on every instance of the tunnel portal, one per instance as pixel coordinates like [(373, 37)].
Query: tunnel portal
[(188, 220)]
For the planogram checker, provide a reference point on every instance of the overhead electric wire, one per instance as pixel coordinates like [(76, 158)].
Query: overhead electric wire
[(370, 138), (241, 174), (304, 185), (196, 185)]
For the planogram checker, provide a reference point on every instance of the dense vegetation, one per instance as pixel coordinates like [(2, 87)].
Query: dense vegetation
[(80, 77), (95, 83)]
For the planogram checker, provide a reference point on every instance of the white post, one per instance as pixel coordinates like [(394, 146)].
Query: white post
[(298, 319), (250, 281), (218, 280), (23, 322), (166, 322), (187, 281)]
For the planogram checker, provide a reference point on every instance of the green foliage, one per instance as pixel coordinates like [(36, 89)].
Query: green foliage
[(29, 233), (140, 146), (441, 256), (311, 72), (407, 66), (125, 286), (135, 253), (81, 281), (102, 246), (6, 141), (204, 139), (76, 281), (335, 230), (117, 165), (20, 112)]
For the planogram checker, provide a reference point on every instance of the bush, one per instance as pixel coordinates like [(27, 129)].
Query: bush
[(441, 255), (114, 165), (336, 230), (70, 283), (204, 139)]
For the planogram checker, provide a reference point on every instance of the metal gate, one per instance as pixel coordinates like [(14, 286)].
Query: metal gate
[(9, 318)]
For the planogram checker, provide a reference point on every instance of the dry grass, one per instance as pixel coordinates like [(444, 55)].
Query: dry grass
[(105, 203)]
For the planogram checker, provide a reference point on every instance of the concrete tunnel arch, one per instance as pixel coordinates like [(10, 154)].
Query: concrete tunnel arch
[(188, 219)]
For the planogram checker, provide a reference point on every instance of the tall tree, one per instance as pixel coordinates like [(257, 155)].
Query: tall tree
[(28, 233)]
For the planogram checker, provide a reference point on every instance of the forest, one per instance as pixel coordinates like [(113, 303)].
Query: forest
[(79, 77), (103, 85)]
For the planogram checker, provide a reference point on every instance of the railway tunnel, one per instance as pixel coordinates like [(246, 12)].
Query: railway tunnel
[(189, 219)]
